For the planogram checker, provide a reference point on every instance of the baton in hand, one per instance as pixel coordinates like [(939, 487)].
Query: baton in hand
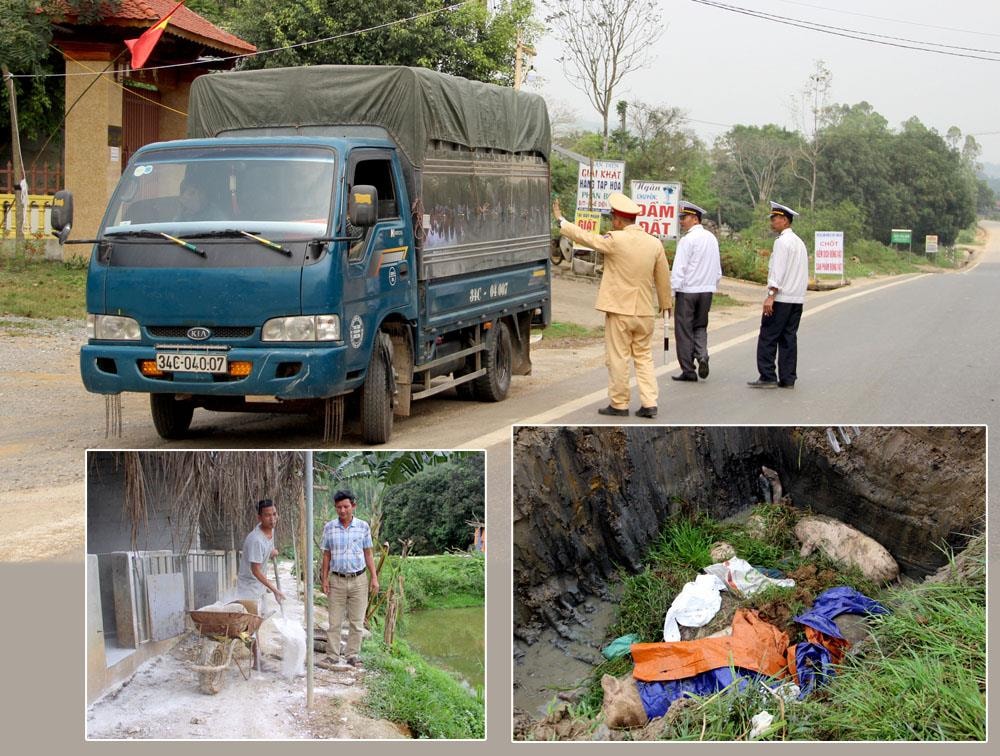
[(666, 335)]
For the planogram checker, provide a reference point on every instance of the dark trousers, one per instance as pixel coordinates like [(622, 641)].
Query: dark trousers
[(691, 327), (778, 334)]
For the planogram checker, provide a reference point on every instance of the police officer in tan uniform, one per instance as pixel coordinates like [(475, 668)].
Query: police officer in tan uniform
[(634, 262)]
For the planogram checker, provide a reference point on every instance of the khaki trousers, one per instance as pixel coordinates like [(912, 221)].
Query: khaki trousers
[(629, 336), (348, 598)]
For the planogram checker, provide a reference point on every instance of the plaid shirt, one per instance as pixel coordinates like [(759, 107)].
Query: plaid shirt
[(346, 545)]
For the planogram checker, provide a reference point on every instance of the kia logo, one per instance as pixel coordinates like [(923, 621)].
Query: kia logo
[(198, 333)]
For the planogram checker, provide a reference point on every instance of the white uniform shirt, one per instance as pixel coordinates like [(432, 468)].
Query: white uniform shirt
[(696, 267), (788, 269)]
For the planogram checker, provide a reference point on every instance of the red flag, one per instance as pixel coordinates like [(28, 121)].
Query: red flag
[(142, 46)]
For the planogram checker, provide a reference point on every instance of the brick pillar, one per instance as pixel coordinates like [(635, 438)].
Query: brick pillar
[(93, 167)]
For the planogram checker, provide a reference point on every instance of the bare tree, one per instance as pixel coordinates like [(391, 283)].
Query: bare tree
[(811, 108), (603, 41), (757, 155)]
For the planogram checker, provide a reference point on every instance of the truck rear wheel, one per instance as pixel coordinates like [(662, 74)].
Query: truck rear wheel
[(171, 418), (493, 386), (376, 394)]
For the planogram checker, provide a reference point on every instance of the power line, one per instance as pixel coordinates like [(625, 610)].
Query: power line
[(893, 20), (878, 39), (243, 56)]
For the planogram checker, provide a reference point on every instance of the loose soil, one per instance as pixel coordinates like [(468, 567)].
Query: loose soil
[(162, 700)]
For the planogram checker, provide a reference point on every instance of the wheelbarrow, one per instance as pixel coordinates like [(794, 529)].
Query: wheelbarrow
[(227, 638)]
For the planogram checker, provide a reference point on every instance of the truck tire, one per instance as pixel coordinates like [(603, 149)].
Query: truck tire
[(171, 418), (376, 394), (493, 386)]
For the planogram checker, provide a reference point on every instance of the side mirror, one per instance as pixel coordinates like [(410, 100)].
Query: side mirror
[(61, 216), (362, 206)]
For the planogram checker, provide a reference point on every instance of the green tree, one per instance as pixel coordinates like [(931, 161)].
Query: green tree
[(469, 41), (435, 506)]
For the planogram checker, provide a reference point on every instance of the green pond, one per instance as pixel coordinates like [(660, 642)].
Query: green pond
[(453, 639)]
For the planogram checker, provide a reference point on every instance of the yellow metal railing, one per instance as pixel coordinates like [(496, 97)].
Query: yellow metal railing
[(36, 224)]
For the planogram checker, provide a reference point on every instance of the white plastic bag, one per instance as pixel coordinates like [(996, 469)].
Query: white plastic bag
[(694, 606), (742, 579), (293, 646)]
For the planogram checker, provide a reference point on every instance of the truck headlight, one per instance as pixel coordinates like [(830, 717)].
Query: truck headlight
[(302, 328), (112, 328)]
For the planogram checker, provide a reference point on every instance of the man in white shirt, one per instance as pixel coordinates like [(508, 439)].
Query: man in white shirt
[(787, 279), (694, 277)]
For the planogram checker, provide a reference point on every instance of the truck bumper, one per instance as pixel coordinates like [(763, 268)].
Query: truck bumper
[(312, 373)]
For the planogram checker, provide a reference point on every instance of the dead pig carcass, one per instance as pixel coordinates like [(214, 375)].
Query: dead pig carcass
[(846, 545)]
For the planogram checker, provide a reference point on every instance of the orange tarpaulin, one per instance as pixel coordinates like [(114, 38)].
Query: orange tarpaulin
[(755, 645)]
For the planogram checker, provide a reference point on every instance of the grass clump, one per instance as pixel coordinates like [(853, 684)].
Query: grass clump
[(404, 688), (557, 332)]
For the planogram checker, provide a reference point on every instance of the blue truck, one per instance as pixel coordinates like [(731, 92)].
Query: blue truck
[(335, 240)]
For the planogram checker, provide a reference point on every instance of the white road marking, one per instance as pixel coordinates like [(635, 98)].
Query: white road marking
[(547, 417)]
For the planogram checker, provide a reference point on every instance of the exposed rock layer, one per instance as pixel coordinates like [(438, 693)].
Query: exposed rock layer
[(589, 500)]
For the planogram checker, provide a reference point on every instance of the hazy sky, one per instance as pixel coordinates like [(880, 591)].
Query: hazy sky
[(728, 68)]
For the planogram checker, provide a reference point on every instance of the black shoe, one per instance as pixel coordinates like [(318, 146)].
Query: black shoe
[(685, 377), (703, 368), (782, 384), (646, 412), (762, 384), (609, 410)]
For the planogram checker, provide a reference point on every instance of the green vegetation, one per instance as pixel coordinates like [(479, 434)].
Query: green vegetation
[(559, 332), (920, 676), (446, 581), (37, 288), (435, 505), (402, 687)]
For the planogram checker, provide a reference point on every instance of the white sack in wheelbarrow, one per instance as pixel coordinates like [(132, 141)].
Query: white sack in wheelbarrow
[(742, 579), (293, 646), (694, 606)]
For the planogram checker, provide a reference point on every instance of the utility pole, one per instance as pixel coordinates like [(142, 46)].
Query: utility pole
[(15, 148)]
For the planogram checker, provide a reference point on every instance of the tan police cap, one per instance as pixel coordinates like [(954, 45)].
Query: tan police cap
[(622, 205)]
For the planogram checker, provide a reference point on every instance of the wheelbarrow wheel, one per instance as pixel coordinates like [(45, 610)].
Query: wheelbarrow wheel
[(211, 681)]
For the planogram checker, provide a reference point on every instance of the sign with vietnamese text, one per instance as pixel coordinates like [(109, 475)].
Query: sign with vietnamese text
[(901, 236), (588, 220), (931, 244), (829, 253), (608, 178), (658, 202)]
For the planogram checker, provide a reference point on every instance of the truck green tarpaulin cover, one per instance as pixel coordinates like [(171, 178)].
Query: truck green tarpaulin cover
[(415, 105)]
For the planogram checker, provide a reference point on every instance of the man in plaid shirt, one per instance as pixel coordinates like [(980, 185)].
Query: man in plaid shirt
[(347, 554)]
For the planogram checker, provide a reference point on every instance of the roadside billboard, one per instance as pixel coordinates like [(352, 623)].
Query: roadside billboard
[(608, 177), (828, 258), (588, 220), (658, 201), (901, 236), (931, 244)]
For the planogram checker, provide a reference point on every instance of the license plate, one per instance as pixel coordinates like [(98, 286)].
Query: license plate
[(179, 362)]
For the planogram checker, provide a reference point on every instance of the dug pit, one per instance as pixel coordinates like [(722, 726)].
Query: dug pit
[(589, 502)]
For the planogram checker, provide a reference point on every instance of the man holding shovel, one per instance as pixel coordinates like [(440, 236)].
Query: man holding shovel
[(347, 555), (258, 548)]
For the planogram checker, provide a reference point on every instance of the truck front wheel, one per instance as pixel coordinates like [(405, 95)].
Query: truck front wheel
[(171, 418), (376, 394), (493, 386)]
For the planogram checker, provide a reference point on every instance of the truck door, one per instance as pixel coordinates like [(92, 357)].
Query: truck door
[(380, 267)]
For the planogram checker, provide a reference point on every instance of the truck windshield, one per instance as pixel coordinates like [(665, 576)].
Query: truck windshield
[(275, 190)]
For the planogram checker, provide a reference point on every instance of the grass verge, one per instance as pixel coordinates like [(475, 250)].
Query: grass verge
[(36, 288), (445, 581), (404, 688), (558, 332)]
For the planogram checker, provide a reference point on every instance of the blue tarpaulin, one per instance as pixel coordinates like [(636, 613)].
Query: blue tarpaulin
[(657, 696), (834, 602), (812, 662)]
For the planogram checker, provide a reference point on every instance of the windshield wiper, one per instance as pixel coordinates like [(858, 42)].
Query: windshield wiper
[(158, 235), (236, 233)]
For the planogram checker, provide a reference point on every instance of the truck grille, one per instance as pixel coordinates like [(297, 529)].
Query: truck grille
[(219, 332)]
